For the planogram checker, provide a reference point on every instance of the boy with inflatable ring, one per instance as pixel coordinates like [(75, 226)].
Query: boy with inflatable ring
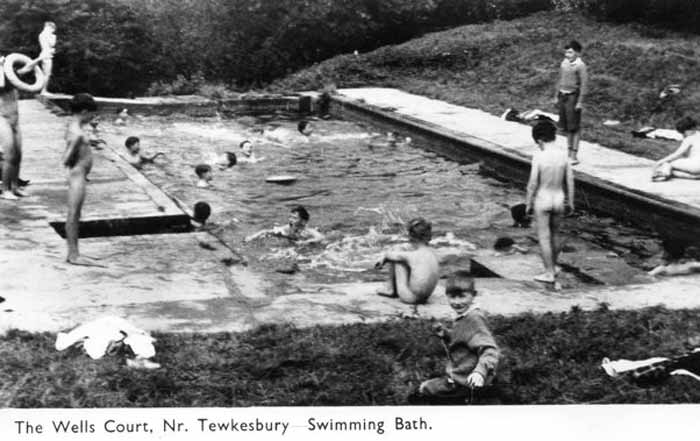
[(10, 137)]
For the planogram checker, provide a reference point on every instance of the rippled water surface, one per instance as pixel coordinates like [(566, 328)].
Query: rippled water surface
[(358, 189)]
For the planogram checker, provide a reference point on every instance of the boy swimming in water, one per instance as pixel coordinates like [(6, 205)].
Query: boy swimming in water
[(204, 176), (78, 159), (133, 145), (413, 273), (296, 230), (247, 153), (684, 162), (550, 173)]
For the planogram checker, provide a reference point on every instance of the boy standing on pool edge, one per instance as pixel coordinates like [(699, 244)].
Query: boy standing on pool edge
[(550, 173), (78, 159), (570, 90)]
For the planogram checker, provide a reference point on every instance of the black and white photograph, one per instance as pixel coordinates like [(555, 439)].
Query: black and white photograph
[(351, 219)]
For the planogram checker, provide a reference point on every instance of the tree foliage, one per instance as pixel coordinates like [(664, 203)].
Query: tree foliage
[(119, 47)]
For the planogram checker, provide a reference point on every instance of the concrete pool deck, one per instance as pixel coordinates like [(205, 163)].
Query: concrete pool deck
[(181, 282)]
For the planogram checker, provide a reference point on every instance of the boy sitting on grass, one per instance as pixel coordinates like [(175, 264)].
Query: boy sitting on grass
[(203, 172), (133, 145), (472, 352), (413, 273)]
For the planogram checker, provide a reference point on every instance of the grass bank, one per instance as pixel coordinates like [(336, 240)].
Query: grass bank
[(550, 358), (505, 64)]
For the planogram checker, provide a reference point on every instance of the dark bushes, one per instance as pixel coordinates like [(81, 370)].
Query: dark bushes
[(122, 46), (674, 14)]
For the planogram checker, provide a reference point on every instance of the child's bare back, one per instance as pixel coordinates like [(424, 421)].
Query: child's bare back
[(414, 272)]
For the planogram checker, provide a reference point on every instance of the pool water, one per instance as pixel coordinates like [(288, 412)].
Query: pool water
[(358, 189)]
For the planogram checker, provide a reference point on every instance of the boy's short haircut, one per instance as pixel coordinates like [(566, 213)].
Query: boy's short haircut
[(544, 131), (131, 140), (301, 211), (420, 229), (82, 102), (50, 23), (458, 283), (686, 123), (244, 142), (202, 211), (575, 45), (302, 125), (231, 158), (200, 169)]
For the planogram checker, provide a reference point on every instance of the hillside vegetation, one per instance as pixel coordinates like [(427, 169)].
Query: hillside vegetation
[(514, 64)]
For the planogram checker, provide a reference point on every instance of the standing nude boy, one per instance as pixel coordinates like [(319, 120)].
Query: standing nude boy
[(78, 159), (550, 174)]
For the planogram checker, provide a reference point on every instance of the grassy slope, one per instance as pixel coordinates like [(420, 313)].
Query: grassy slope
[(552, 358), (514, 64)]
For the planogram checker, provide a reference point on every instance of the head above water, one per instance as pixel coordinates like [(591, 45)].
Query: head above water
[(231, 158), (202, 211), (132, 144), (685, 124), (82, 103), (203, 171), (544, 131), (419, 230), (298, 217), (246, 146), (304, 127)]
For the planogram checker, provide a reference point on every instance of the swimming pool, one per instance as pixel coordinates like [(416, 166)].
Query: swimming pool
[(358, 189)]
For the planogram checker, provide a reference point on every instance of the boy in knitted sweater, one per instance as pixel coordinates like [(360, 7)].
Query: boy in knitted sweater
[(570, 92), (472, 352)]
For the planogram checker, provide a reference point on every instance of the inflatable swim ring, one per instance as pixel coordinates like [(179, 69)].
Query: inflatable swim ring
[(9, 69)]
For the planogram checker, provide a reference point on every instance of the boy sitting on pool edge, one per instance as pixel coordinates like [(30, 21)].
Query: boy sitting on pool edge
[(413, 273), (295, 230)]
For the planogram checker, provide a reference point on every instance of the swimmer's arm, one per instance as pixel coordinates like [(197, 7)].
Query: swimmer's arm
[(277, 231), (69, 156), (258, 235), (532, 182), (145, 159), (316, 236), (682, 150), (570, 184)]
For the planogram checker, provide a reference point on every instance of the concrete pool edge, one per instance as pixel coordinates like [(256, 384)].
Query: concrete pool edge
[(667, 216)]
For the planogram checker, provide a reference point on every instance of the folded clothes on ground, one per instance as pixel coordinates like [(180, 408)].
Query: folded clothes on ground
[(101, 336), (654, 370), (654, 133), (528, 116)]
